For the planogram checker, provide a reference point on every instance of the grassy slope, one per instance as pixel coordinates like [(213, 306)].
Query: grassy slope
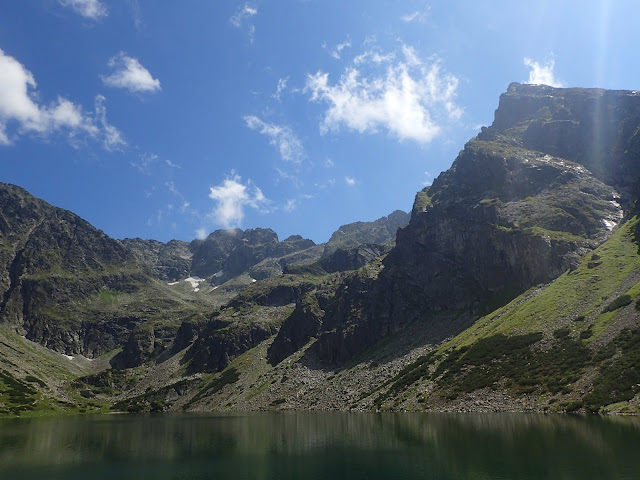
[(35, 381), (572, 344), (581, 294), (558, 347)]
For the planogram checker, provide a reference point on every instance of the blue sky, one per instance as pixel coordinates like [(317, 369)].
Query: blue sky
[(165, 119)]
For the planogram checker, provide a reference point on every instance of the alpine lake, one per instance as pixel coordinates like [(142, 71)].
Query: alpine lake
[(321, 445)]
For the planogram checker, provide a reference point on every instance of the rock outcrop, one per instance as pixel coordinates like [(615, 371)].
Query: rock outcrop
[(52, 261), (169, 261), (518, 207), (381, 231)]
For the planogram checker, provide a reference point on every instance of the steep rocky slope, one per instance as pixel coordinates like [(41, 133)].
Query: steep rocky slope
[(169, 261), (69, 287), (381, 231), (504, 217), (226, 254), (515, 286)]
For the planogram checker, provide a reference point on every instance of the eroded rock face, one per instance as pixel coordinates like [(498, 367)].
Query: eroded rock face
[(227, 253), (52, 263), (217, 345), (381, 231), (169, 261), (520, 205), (344, 259)]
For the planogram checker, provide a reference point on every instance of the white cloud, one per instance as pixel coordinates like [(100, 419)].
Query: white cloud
[(337, 52), (241, 15), (373, 56), (143, 163), (184, 204), (290, 205), (281, 137), (128, 73), (350, 181), (282, 85), (93, 9), (245, 12), (292, 177), (232, 197), (170, 164), (201, 233), (417, 16), (410, 98), (19, 109), (112, 138), (329, 163), (542, 74), (171, 186)]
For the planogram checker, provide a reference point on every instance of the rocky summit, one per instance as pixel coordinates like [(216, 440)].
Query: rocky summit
[(514, 284)]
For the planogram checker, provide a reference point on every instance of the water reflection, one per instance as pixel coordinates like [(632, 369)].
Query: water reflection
[(321, 445)]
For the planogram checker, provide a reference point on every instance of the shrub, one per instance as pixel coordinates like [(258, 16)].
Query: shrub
[(621, 301)]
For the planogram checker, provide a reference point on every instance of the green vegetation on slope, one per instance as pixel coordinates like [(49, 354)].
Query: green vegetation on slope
[(550, 340), (575, 294)]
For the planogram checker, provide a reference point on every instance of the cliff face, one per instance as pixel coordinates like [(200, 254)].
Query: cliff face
[(542, 198), (381, 231), (51, 262), (521, 204), (169, 261)]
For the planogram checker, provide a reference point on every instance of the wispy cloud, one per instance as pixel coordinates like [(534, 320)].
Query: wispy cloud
[(409, 97), (542, 73), (232, 197), (280, 136), (290, 205), (282, 86), (373, 56), (286, 175), (416, 16), (201, 233), (112, 138), (350, 181), (128, 73), (185, 205), (93, 9), (238, 19), (144, 162), (337, 52), (322, 185), (22, 114), (136, 13), (242, 14)]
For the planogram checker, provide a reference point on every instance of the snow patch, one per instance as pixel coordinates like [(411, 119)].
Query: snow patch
[(67, 356), (608, 224), (215, 288), (618, 206), (193, 281), (253, 280), (218, 274)]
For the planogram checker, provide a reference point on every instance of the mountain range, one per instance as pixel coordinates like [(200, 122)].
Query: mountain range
[(513, 285)]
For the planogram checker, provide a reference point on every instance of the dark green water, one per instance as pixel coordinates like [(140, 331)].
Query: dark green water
[(321, 445)]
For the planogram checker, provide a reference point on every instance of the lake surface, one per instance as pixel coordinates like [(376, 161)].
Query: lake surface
[(323, 445)]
